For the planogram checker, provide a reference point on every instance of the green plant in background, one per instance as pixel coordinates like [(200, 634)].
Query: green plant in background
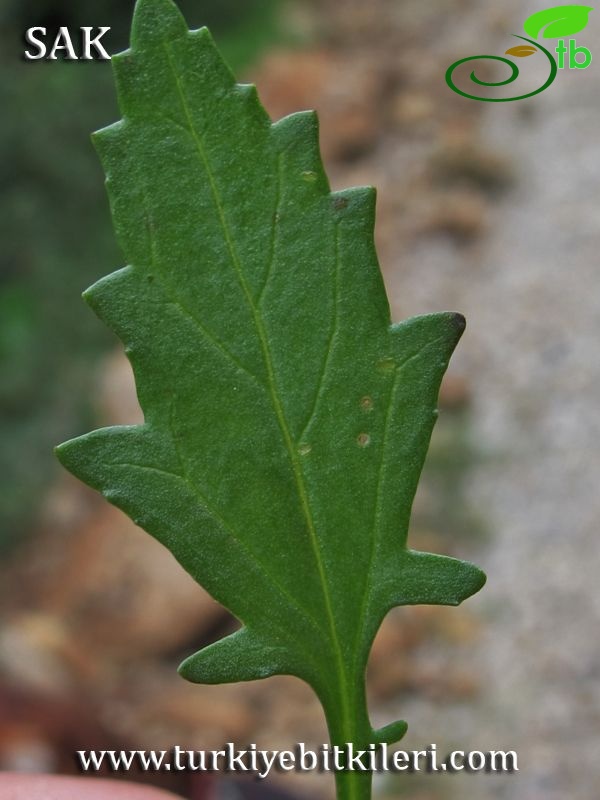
[(286, 420)]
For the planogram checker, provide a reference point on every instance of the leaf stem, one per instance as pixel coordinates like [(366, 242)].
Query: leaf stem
[(354, 728)]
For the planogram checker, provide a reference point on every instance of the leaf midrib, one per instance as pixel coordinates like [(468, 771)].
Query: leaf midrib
[(272, 386)]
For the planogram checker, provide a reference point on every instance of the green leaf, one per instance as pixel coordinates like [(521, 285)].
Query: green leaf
[(557, 21), (286, 420)]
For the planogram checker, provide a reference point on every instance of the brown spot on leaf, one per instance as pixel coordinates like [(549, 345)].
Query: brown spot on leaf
[(386, 365)]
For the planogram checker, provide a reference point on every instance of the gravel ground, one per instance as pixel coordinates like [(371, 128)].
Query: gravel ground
[(529, 290)]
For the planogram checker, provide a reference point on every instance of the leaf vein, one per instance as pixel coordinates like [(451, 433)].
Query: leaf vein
[(274, 230), (277, 406), (172, 295), (376, 532), (335, 324), (227, 529)]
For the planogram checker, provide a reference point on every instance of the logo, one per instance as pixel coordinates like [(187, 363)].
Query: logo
[(63, 45), (552, 23)]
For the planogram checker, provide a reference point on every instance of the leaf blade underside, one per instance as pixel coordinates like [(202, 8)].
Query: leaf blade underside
[(286, 420)]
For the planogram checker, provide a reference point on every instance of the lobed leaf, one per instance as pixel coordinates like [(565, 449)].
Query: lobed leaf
[(286, 419)]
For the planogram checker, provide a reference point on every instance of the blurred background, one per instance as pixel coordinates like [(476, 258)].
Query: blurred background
[(487, 209)]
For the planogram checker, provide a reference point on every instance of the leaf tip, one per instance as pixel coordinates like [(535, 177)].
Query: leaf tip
[(392, 733), (241, 656), (66, 453), (105, 135), (156, 21), (296, 128), (89, 296), (469, 580), (474, 579), (58, 451), (436, 580), (459, 322)]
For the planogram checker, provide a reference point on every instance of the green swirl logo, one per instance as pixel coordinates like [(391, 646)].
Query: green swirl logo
[(551, 23)]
